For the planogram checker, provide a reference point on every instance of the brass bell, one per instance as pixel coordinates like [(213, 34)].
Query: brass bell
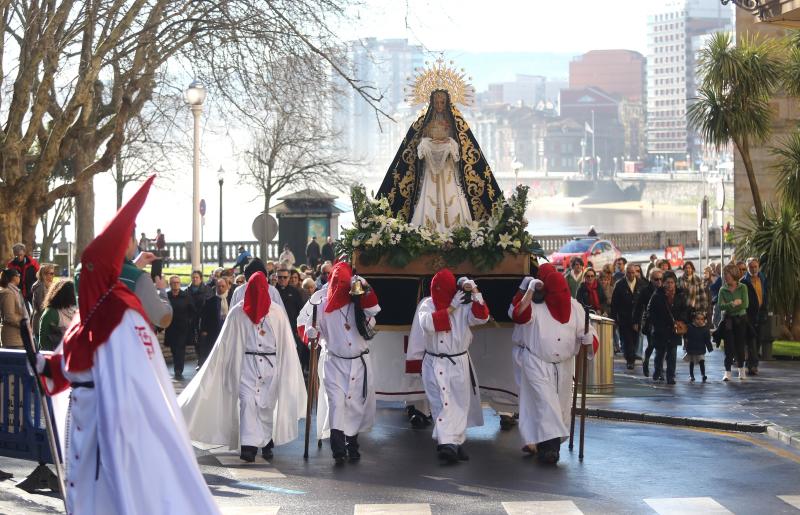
[(356, 288)]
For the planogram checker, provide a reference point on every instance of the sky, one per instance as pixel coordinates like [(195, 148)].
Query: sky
[(457, 27)]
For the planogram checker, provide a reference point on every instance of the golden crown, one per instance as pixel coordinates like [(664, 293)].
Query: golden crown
[(439, 75)]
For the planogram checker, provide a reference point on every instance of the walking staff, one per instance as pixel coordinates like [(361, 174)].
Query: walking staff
[(52, 440), (582, 360), (313, 347)]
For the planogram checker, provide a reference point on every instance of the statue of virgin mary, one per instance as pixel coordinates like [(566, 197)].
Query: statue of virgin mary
[(439, 177)]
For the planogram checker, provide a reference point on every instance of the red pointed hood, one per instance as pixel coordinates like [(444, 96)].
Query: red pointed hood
[(556, 293), (256, 297), (443, 288), (339, 286), (102, 298)]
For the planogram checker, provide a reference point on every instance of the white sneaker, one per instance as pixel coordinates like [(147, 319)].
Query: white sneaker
[(742, 374), (727, 376)]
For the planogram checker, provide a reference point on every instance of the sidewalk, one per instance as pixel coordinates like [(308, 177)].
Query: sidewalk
[(767, 404)]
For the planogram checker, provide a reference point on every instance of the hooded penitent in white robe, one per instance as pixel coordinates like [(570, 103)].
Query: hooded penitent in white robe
[(547, 364), (454, 400), (127, 448), (349, 410), (227, 391)]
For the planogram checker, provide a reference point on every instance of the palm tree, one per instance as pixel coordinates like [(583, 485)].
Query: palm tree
[(737, 83), (787, 170)]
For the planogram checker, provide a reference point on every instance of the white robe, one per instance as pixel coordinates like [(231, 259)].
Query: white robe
[(348, 410), (442, 205), (131, 422), (209, 402), (547, 364), (455, 403)]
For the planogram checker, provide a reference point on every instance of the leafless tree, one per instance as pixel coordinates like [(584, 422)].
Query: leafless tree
[(73, 74)]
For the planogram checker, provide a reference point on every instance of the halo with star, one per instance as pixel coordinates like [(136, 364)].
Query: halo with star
[(440, 75)]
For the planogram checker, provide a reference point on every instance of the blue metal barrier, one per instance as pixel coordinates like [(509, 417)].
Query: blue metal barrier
[(23, 434)]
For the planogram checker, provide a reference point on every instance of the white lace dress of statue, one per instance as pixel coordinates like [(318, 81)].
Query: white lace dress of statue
[(441, 205)]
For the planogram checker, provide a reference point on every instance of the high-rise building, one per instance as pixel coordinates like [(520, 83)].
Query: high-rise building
[(619, 72), (674, 29), (526, 90), (385, 65)]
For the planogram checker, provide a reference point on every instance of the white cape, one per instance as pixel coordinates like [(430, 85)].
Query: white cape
[(131, 421), (210, 403)]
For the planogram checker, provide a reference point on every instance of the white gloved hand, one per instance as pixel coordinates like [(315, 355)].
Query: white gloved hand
[(535, 284), (458, 300), (40, 363), (311, 333), (525, 282), (361, 280), (477, 297), (586, 339), (469, 285)]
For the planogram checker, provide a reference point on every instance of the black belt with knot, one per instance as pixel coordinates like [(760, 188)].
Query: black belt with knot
[(263, 355), (361, 357), (469, 362), (83, 384)]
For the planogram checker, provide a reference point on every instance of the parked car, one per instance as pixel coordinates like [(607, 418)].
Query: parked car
[(599, 252)]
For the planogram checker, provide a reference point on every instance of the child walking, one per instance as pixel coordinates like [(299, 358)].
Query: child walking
[(697, 342)]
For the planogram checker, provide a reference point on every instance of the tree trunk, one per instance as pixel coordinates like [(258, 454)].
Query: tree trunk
[(11, 233), (84, 218), (744, 151), (796, 323), (263, 242), (120, 180)]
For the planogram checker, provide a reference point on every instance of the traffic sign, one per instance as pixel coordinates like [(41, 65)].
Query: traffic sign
[(265, 227), (202, 207)]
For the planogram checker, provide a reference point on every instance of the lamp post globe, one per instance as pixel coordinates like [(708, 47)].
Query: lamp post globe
[(195, 96)]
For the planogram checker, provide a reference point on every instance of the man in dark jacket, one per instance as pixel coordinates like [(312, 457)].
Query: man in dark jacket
[(293, 303), (623, 303), (312, 253), (640, 315), (327, 250), (27, 268), (179, 332), (668, 306), (757, 311), (212, 316)]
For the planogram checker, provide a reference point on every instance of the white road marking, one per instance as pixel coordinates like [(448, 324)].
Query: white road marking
[(249, 510), (793, 500), (687, 506), (542, 507), (392, 509)]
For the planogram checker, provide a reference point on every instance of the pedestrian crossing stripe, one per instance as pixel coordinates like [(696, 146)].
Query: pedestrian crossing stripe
[(392, 509), (543, 507), (687, 506), (793, 500)]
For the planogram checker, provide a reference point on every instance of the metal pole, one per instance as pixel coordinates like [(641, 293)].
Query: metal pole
[(220, 250), (595, 168), (196, 112)]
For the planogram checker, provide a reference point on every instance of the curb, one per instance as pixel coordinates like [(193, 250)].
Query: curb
[(702, 423), (790, 438)]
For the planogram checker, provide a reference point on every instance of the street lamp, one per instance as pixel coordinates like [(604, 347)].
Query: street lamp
[(516, 166), (220, 250), (195, 96)]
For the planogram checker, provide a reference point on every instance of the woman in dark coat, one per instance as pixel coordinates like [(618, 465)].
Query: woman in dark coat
[(667, 309), (590, 293)]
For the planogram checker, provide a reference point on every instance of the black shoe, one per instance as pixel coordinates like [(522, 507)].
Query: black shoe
[(462, 454), (5, 475), (266, 451), (629, 366), (197, 368), (417, 418), (549, 451), (178, 377), (448, 453), (352, 448), (646, 369), (248, 453), (671, 381), (705, 379), (507, 422), (338, 458)]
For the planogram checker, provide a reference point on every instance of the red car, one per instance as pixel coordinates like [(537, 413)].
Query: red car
[(599, 252)]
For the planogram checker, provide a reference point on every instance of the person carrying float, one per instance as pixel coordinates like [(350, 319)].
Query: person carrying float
[(255, 363), (441, 335), (126, 447), (345, 316), (551, 327)]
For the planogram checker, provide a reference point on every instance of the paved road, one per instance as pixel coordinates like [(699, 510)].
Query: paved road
[(629, 468)]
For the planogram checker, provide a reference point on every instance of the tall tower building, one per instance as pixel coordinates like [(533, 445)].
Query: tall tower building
[(675, 30), (385, 65)]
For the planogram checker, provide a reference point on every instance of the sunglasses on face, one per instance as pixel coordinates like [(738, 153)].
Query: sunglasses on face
[(283, 277), (657, 279)]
